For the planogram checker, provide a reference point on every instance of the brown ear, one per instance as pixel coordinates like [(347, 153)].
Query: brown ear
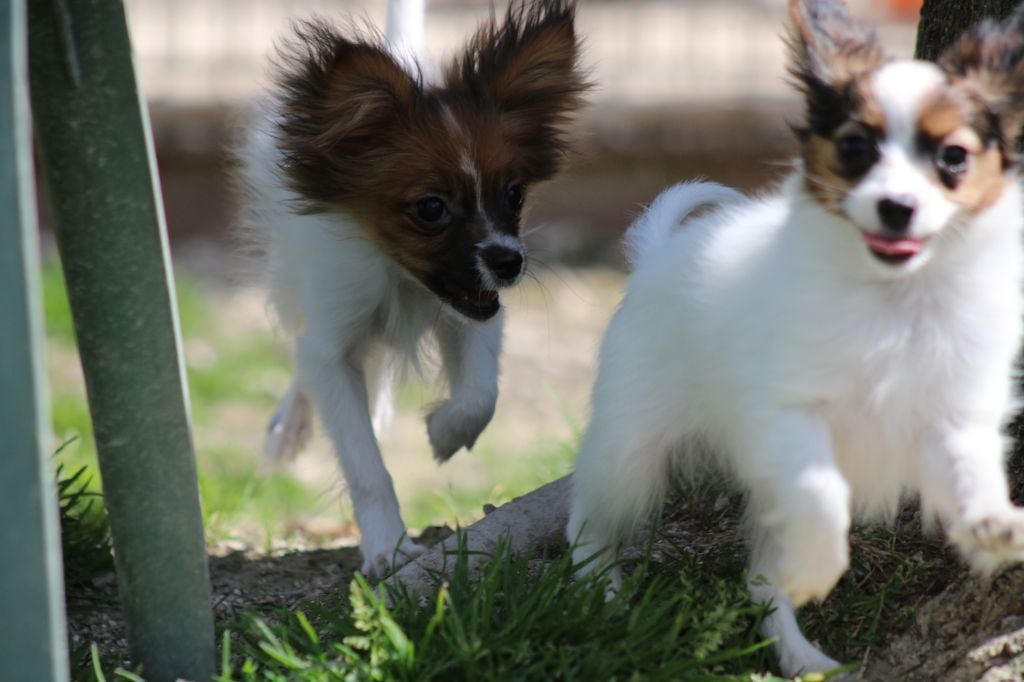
[(527, 70), (341, 100), (988, 62), (828, 50)]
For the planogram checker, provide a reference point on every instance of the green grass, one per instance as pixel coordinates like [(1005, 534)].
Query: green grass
[(520, 620), (85, 531), (525, 618), (682, 616), (229, 375), (237, 497)]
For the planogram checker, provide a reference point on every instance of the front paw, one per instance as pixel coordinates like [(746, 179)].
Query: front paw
[(809, 571), (813, 540), (452, 426), (803, 658), (383, 558), (992, 541)]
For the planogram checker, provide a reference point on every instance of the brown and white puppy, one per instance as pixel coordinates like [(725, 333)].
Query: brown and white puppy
[(388, 208), (840, 343)]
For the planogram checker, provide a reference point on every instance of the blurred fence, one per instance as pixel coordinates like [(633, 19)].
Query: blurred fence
[(642, 52), (684, 88)]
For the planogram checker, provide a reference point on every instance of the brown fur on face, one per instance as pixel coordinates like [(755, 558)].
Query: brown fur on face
[(362, 135), (831, 60), (830, 56), (451, 158), (954, 117), (981, 109), (987, 64), (820, 177), (986, 101)]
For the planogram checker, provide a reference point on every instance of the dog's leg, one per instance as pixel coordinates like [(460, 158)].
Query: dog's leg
[(796, 654), (964, 483), (799, 501), (470, 355), (336, 382), (621, 476), (291, 426), (624, 464), (800, 512)]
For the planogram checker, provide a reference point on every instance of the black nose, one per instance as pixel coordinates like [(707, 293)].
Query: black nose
[(896, 213), (505, 263)]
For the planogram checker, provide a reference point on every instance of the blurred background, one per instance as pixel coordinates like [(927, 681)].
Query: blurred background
[(684, 88)]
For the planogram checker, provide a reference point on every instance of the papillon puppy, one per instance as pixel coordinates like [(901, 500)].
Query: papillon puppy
[(841, 343), (389, 209)]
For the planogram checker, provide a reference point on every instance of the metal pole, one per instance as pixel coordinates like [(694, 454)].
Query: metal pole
[(33, 643), (97, 156)]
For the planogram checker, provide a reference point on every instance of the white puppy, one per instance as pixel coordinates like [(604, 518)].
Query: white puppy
[(840, 343)]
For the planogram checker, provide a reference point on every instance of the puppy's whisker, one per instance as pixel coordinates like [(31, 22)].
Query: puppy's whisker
[(557, 273), (533, 229), (822, 182), (790, 164), (546, 298)]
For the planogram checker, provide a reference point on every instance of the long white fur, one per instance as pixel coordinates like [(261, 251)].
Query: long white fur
[(827, 383)]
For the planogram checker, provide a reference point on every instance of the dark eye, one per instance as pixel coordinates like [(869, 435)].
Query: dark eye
[(514, 196), (953, 159), (857, 152), (431, 211)]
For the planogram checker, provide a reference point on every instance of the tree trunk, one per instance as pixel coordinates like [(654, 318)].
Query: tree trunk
[(942, 21)]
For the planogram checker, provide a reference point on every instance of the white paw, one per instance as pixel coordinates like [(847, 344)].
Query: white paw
[(796, 654), (812, 562), (290, 428), (813, 540), (803, 658), (381, 559), (993, 540), (452, 426)]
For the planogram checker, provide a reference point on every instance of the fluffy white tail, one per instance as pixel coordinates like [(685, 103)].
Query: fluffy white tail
[(405, 27), (650, 231)]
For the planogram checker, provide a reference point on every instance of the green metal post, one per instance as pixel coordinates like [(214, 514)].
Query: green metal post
[(94, 144), (33, 643)]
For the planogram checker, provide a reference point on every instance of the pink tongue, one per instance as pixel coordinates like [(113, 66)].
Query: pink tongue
[(892, 247)]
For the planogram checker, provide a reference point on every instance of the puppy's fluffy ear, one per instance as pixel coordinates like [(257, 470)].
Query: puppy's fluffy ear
[(828, 50), (527, 71), (341, 101), (988, 62)]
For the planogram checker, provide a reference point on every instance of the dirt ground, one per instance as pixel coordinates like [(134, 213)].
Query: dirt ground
[(973, 630)]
